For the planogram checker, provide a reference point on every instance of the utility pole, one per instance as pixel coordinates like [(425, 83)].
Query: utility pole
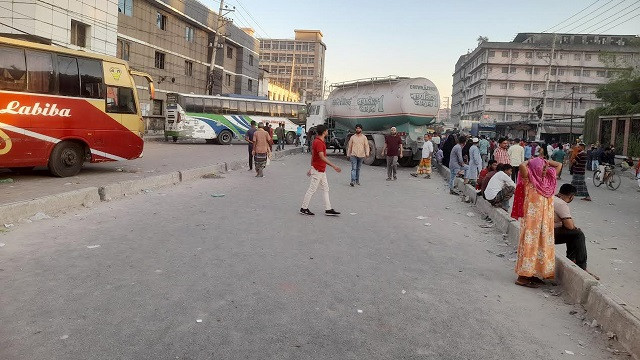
[(573, 90), (293, 68), (546, 89), (220, 23)]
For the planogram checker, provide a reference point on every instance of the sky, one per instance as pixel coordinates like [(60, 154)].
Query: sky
[(421, 38)]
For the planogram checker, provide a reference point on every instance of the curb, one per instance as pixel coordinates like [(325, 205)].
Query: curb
[(579, 287), (52, 204)]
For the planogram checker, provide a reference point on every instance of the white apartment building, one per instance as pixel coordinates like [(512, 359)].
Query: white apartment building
[(505, 81), (78, 24)]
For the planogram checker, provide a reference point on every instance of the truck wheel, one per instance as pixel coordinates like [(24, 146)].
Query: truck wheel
[(66, 159), (371, 159), (290, 137), (225, 137), (405, 161)]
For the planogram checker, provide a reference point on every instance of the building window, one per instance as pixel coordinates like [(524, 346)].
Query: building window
[(229, 52), (586, 73), (526, 102), (536, 71), (535, 87), (512, 70), (250, 60), (528, 54), (228, 79), (554, 71), (161, 21), (527, 86), (188, 68), (487, 101), (157, 107), (509, 117), (528, 71), (503, 86), (587, 57), (505, 70), (512, 86), (557, 103), (514, 54), (577, 57), (79, 33), (124, 48), (600, 73), (576, 72), (505, 54), (538, 54), (250, 84), (189, 33), (125, 7), (159, 63), (492, 53), (560, 72), (502, 101)]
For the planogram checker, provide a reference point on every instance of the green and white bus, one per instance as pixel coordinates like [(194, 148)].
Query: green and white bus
[(221, 119)]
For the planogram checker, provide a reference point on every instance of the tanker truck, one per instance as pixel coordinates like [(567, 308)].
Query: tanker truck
[(409, 104)]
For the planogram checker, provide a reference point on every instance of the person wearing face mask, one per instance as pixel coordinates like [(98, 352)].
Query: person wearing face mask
[(357, 150)]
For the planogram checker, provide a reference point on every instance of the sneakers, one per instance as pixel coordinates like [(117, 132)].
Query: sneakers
[(414, 174), (306, 212), (352, 184), (388, 179), (395, 177), (330, 212), (358, 183)]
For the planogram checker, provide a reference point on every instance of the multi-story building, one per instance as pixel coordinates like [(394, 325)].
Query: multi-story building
[(505, 81), (173, 41), (80, 25), (296, 64)]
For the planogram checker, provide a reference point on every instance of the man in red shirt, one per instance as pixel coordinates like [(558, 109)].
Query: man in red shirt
[(317, 173), (393, 150)]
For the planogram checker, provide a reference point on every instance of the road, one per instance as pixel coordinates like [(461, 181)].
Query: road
[(159, 158), (179, 274)]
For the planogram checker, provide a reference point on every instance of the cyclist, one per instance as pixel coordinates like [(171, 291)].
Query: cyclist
[(608, 157)]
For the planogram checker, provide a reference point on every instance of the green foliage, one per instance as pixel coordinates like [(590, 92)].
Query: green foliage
[(621, 92)]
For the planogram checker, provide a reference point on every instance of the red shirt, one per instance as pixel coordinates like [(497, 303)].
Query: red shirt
[(317, 147), (393, 144)]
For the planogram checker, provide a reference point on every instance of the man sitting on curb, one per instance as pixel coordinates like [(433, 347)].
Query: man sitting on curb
[(565, 231), (500, 188)]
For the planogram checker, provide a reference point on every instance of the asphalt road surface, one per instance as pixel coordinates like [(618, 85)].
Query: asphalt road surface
[(180, 274)]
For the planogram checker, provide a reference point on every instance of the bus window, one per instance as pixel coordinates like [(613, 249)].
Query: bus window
[(68, 76), (189, 104), (120, 100), (91, 78), (198, 105), (13, 70), (233, 106), (251, 108), (217, 106), (280, 110), (225, 107), (273, 110), (242, 107), (208, 106), (287, 110), (40, 75)]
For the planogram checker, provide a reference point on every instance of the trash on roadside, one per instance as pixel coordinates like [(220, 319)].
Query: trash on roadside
[(2, 244), (404, 292), (217, 195), (39, 216), (212, 176), (470, 214), (6, 181), (611, 335), (501, 255), (594, 323), (8, 225), (353, 213), (146, 191), (119, 170), (420, 217), (64, 337), (487, 226), (427, 224), (513, 259), (359, 311), (569, 352), (92, 246), (198, 320)]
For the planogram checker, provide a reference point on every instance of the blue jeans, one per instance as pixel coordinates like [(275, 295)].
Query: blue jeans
[(356, 163), (452, 175), (594, 164)]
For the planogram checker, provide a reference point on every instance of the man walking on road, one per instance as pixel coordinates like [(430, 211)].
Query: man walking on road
[(424, 168), (280, 134), (516, 157), (357, 150), (261, 149), (393, 150), (579, 168), (249, 138), (456, 163), (317, 173), (483, 145)]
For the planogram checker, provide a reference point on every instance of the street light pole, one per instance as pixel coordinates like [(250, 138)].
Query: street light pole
[(546, 89), (573, 90), (220, 23)]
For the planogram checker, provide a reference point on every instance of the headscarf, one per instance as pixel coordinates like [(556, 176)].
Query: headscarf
[(446, 149), (544, 182)]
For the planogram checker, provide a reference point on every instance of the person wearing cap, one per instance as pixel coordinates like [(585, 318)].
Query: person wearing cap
[(424, 168), (475, 163), (357, 150)]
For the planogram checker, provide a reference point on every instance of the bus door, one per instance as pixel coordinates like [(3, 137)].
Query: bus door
[(122, 106)]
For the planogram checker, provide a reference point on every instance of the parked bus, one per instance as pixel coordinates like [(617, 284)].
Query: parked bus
[(61, 107), (220, 119)]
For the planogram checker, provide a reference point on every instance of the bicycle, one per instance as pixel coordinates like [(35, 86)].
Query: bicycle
[(610, 177)]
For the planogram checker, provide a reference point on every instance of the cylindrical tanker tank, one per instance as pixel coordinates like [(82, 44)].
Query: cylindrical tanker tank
[(381, 104)]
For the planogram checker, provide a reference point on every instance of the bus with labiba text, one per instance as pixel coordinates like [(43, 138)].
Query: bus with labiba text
[(60, 108)]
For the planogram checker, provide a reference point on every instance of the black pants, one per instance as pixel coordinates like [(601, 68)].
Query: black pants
[(576, 247), (250, 157), (514, 174)]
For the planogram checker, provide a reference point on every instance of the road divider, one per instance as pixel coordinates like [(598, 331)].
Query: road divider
[(579, 287)]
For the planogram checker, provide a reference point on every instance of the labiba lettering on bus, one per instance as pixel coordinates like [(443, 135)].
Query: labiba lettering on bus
[(15, 108)]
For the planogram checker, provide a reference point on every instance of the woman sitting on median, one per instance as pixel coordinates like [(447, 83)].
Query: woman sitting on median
[(534, 204)]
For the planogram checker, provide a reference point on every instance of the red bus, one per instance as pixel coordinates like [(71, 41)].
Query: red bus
[(61, 107)]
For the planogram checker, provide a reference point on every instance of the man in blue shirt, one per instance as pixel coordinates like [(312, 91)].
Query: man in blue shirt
[(527, 151), (298, 134)]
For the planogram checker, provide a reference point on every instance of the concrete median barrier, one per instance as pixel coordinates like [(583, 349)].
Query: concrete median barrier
[(610, 313), (49, 205), (131, 187), (576, 282), (197, 173)]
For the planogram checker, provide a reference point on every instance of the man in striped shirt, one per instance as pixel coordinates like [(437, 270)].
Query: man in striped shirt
[(579, 168), (500, 154)]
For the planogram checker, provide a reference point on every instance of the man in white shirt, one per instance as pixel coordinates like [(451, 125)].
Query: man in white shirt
[(500, 188), (424, 168), (516, 157)]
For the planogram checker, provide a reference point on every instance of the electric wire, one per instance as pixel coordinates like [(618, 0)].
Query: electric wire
[(598, 25), (583, 17), (596, 18), (571, 17)]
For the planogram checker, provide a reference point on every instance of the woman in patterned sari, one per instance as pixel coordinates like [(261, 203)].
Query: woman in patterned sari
[(536, 248)]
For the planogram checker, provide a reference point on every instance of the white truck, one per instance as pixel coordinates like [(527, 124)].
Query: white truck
[(409, 104)]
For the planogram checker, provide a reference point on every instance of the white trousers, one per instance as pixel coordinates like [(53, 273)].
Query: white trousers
[(317, 178)]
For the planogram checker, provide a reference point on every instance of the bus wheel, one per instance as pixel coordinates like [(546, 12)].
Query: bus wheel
[(290, 137), (175, 139), (66, 159), (225, 137), (211, 141)]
